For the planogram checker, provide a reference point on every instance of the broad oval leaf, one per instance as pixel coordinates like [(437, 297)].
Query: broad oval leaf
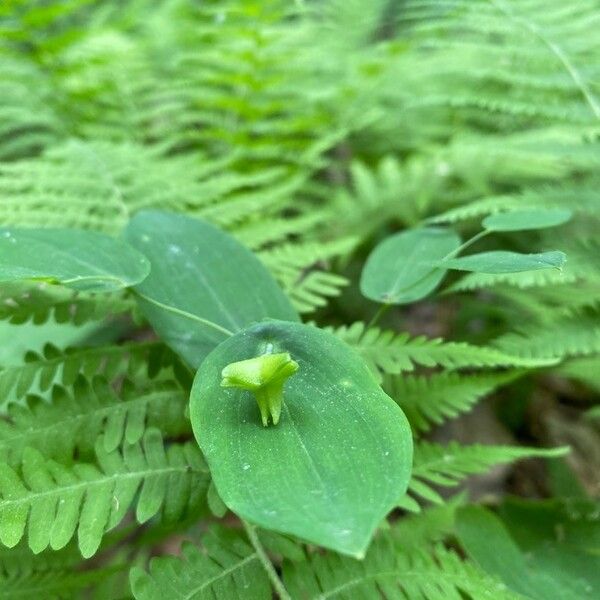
[(204, 285), (405, 267), (335, 464), (82, 260), (501, 261), (523, 220)]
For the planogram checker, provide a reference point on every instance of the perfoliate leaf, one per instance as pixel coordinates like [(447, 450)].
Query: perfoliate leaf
[(82, 260), (339, 458), (204, 285), (406, 267), (522, 220), (500, 261)]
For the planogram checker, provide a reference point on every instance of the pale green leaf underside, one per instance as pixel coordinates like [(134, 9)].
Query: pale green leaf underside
[(339, 458), (83, 260)]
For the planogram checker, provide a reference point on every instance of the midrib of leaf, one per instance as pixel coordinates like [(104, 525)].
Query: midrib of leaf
[(221, 575), (87, 483), (185, 314), (408, 264), (143, 399), (572, 71)]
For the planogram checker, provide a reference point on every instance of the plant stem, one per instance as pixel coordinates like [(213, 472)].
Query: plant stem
[(380, 312), (468, 243), (266, 562)]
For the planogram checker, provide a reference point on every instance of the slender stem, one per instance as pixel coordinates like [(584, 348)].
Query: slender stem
[(380, 312), (266, 562), (468, 243)]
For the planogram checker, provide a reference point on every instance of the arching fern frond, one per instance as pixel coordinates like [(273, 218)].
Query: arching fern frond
[(52, 502), (38, 303), (535, 54), (446, 466), (393, 353), (389, 192), (75, 419), (60, 584), (39, 371), (429, 401), (28, 121), (223, 568), (579, 336), (300, 268), (390, 571)]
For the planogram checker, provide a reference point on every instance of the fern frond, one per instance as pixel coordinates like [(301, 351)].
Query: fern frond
[(74, 420), (568, 337), (300, 269), (39, 371), (53, 502), (536, 54), (64, 584), (390, 191), (28, 120), (429, 401), (446, 466), (38, 303), (390, 571), (433, 524), (225, 566), (60, 573), (393, 353)]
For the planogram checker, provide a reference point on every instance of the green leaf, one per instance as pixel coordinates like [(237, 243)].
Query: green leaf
[(501, 261), (488, 542), (522, 220), (82, 260), (336, 463), (560, 536), (406, 267), (204, 285)]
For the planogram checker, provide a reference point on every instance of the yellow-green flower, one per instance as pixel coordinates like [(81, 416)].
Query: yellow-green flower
[(265, 377)]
